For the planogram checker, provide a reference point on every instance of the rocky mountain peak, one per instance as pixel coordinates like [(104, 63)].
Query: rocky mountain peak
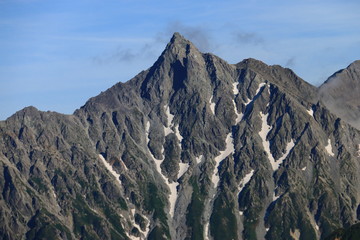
[(341, 91), (349, 75), (191, 148), (179, 48)]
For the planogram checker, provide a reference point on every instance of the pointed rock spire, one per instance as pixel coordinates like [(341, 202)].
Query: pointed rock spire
[(179, 47)]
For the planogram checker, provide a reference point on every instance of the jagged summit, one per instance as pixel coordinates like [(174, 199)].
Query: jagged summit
[(178, 48), (177, 38)]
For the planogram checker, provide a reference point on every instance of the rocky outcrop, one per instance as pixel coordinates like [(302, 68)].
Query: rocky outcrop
[(192, 148)]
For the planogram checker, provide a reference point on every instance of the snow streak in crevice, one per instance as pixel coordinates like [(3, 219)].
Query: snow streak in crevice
[(183, 169), (170, 117), (206, 231), (229, 149), (172, 186), (265, 129), (239, 116), (212, 105), (275, 197), (245, 180), (310, 112), (198, 159), (110, 168), (235, 88), (261, 85), (133, 223), (223, 154), (243, 183), (329, 149)]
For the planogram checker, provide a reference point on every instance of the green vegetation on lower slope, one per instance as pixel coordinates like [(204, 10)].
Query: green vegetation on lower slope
[(195, 211), (44, 226), (351, 233), (223, 224)]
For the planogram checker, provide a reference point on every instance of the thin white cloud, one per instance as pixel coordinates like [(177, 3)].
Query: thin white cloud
[(198, 35), (249, 38)]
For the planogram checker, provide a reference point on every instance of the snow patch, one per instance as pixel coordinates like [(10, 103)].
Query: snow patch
[(54, 194), (257, 92), (170, 117), (133, 223), (168, 128), (304, 168), (147, 130), (206, 231), (212, 105), (172, 186), (198, 159), (110, 168), (267, 229), (239, 116), (265, 129), (147, 229), (223, 154), (317, 227), (183, 169), (177, 133), (235, 88), (358, 152), (259, 88), (133, 237), (275, 197), (311, 112), (245, 180), (241, 213), (123, 164), (288, 148), (329, 149)]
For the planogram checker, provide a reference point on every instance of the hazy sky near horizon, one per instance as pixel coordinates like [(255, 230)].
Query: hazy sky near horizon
[(55, 55)]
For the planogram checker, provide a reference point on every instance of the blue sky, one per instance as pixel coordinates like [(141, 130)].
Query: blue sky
[(55, 55)]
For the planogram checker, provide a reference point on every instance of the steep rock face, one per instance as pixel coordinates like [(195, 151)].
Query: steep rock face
[(340, 93), (192, 148), (53, 184)]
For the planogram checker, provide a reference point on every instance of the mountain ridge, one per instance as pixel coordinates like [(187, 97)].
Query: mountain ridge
[(341, 91), (184, 150)]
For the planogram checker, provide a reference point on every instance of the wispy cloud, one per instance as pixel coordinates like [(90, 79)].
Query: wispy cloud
[(128, 55), (199, 35), (290, 62), (248, 38)]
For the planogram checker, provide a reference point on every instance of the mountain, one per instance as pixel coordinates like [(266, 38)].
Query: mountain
[(191, 148), (351, 233), (340, 93)]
